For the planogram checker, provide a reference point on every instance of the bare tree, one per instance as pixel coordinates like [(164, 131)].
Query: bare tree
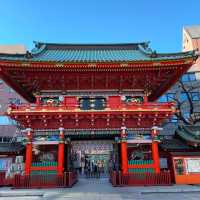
[(186, 104)]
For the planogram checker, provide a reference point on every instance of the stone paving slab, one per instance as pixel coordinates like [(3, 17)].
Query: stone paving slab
[(97, 189)]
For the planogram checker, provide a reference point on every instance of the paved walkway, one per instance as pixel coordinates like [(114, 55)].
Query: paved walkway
[(101, 189)]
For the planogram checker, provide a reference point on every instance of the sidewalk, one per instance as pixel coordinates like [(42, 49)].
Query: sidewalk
[(86, 187)]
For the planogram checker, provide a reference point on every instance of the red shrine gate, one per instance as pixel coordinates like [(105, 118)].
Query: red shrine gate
[(93, 92)]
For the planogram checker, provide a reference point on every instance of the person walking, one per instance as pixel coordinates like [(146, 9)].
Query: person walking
[(95, 170), (87, 169), (82, 165), (91, 169)]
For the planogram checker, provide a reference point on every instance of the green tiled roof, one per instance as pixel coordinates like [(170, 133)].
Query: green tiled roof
[(186, 138), (190, 134), (174, 144), (93, 53)]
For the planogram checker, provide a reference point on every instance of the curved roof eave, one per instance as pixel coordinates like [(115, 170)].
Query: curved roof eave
[(86, 53)]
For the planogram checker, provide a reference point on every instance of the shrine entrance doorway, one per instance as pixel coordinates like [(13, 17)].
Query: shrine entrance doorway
[(101, 160), (92, 158)]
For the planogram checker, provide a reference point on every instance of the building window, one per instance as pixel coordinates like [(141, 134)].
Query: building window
[(183, 96), (195, 96), (15, 101), (184, 78), (192, 77), (189, 77), (174, 119), (4, 120), (170, 96), (186, 115), (162, 99)]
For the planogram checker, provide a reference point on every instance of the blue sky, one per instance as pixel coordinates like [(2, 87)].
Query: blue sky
[(97, 21)]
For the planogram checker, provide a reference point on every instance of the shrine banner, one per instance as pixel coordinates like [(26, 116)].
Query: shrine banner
[(193, 165)]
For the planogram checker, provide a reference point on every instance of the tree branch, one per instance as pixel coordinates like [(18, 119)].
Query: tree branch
[(188, 96)]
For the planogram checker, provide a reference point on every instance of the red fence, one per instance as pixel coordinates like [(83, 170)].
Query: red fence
[(45, 181), (140, 179), (2, 178), (72, 178), (113, 178), (5, 181)]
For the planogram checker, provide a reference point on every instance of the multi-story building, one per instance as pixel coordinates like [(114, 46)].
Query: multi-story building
[(188, 85), (8, 127)]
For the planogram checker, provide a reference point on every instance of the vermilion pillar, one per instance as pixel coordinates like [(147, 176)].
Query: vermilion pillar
[(155, 152), (124, 155), (28, 160), (61, 149), (37, 100), (145, 98)]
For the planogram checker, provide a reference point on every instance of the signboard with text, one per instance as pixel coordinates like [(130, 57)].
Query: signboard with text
[(193, 165)]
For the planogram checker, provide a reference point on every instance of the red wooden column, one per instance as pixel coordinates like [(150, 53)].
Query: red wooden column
[(155, 152), (124, 155), (145, 98), (28, 160), (38, 100), (61, 149)]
